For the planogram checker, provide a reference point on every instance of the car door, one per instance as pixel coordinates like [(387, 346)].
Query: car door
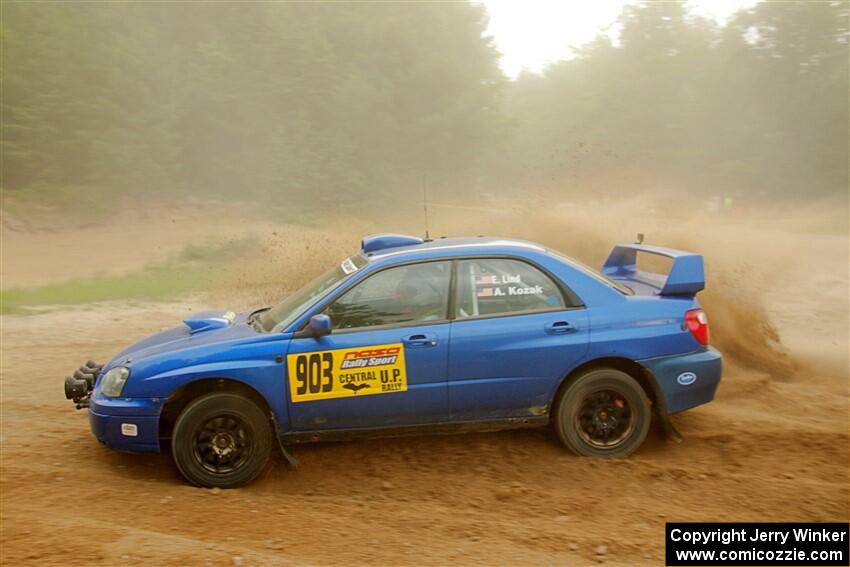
[(385, 362), (513, 337)]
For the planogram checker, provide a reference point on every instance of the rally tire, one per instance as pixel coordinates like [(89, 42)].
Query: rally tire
[(221, 440), (603, 413)]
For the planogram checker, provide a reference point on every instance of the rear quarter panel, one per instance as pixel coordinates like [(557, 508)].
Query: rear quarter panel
[(641, 327)]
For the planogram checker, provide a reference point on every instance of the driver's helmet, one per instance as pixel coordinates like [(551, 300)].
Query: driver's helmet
[(414, 297)]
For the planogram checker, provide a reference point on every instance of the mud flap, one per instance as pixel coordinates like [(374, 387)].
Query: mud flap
[(291, 461), (659, 407), (670, 431)]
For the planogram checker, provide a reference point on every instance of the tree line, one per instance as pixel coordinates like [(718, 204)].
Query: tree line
[(317, 105)]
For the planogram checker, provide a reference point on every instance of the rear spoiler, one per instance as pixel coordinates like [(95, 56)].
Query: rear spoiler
[(686, 276)]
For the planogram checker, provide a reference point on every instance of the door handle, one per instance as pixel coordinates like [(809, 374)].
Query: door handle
[(420, 340), (559, 328)]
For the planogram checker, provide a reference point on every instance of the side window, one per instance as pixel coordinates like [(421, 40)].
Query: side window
[(499, 286), (406, 294)]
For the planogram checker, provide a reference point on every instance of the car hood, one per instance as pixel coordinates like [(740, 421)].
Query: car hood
[(209, 320), (198, 329)]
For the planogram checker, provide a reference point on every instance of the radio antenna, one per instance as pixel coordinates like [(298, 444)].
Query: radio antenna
[(425, 204)]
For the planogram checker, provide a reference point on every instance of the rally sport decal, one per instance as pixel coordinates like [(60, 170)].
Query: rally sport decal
[(347, 372)]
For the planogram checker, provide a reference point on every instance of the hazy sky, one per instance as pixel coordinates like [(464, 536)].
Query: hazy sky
[(532, 33)]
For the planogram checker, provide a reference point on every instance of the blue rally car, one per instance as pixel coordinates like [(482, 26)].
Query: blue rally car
[(417, 336)]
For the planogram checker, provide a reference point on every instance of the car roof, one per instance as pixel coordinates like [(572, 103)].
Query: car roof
[(458, 244)]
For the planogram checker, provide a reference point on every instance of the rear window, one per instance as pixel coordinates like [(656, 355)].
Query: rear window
[(625, 290)]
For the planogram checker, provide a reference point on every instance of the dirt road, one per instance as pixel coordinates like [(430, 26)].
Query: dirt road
[(770, 448)]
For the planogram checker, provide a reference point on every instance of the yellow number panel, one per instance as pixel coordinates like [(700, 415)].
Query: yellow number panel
[(347, 372)]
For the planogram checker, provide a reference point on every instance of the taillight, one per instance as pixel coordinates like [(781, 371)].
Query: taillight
[(697, 322)]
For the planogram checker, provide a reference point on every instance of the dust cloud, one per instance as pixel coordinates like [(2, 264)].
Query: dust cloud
[(772, 446), (750, 260)]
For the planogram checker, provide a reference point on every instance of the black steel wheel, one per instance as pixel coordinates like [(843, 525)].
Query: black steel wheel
[(221, 440), (604, 418), (603, 413), (223, 444)]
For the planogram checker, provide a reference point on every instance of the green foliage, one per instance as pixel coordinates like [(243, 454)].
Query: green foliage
[(198, 267), (349, 105), (152, 284), (305, 102), (214, 252), (758, 107)]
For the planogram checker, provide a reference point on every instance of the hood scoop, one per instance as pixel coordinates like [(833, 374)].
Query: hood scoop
[(209, 320)]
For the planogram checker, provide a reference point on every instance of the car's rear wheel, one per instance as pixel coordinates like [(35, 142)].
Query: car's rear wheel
[(221, 440), (603, 413)]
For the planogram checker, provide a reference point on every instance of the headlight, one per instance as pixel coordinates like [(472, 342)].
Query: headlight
[(113, 381)]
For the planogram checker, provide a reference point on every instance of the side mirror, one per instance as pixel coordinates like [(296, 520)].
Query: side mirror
[(319, 326)]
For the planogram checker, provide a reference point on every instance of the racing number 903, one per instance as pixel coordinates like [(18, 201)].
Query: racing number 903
[(314, 373)]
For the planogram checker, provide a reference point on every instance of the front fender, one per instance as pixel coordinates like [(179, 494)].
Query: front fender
[(264, 376)]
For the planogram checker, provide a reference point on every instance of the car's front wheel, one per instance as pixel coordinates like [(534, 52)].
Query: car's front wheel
[(603, 413), (221, 440)]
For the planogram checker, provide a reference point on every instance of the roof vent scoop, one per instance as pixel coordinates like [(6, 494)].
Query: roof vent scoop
[(376, 242)]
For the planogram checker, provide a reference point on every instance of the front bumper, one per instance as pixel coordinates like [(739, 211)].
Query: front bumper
[(126, 424), (134, 434), (680, 391)]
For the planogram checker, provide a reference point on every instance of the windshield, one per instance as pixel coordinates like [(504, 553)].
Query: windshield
[(284, 313)]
